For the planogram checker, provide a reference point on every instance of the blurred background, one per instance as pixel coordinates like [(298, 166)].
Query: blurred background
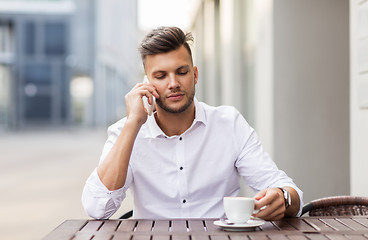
[(296, 69)]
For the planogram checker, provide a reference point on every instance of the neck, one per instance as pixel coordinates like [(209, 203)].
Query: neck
[(175, 123)]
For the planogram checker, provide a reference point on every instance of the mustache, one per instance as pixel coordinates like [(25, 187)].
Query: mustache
[(176, 90)]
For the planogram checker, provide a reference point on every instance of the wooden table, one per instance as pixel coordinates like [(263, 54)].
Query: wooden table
[(198, 229)]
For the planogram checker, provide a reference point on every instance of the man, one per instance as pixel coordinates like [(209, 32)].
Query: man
[(181, 161)]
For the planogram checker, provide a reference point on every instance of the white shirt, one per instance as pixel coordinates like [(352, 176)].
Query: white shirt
[(187, 176)]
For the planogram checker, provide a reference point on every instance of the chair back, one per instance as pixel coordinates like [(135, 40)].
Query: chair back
[(337, 206)]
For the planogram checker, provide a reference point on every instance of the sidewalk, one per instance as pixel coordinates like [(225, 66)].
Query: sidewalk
[(42, 177)]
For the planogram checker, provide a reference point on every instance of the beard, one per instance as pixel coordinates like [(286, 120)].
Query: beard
[(185, 106)]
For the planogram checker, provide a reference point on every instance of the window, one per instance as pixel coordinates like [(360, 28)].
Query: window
[(55, 39), (29, 40), (38, 107), (39, 74)]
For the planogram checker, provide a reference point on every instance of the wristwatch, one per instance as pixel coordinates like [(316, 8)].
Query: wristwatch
[(287, 197)]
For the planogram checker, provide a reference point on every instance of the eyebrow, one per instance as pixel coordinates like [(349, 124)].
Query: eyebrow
[(179, 68), (159, 71)]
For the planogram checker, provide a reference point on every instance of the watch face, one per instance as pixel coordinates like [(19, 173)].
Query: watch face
[(287, 197)]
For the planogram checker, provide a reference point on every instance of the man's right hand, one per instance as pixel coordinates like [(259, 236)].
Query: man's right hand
[(133, 99)]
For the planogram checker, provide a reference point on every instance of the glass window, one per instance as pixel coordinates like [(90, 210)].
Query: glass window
[(55, 39), (38, 108), (29, 40), (40, 74), (64, 91)]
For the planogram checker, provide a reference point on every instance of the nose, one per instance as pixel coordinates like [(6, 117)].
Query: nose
[(173, 82)]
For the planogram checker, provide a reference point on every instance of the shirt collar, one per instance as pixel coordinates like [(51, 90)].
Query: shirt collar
[(155, 131)]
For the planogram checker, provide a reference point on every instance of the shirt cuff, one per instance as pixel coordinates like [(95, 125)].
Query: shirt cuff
[(101, 190), (98, 200)]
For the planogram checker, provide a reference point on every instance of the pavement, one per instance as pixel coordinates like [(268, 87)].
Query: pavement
[(42, 174)]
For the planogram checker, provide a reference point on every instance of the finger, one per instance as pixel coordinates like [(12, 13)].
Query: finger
[(265, 201), (273, 211), (274, 215), (155, 93), (143, 86), (150, 99), (137, 89), (151, 89), (270, 196), (148, 94), (138, 85), (271, 199), (258, 205), (260, 194), (274, 208), (135, 97)]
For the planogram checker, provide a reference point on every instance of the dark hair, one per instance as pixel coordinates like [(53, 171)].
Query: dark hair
[(163, 40)]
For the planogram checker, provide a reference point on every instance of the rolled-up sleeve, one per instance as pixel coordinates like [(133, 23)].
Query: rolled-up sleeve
[(98, 201), (256, 166)]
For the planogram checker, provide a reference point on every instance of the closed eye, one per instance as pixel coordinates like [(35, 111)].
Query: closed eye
[(160, 76), (182, 73), (182, 70)]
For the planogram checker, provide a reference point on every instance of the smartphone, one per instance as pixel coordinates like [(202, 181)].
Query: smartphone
[(147, 106)]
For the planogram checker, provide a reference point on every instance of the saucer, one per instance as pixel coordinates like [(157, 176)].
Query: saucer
[(248, 226)]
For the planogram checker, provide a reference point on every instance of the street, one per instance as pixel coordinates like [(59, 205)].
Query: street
[(42, 178)]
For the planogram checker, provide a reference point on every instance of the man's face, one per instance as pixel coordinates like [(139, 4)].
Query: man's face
[(174, 78)]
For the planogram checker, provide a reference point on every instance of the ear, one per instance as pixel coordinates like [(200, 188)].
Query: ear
[(195, 70)]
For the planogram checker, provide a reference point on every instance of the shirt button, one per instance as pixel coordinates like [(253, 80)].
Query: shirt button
[(180, 138), (181, 168), (184, 201)]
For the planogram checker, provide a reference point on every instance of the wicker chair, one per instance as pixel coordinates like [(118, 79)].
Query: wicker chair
[(337, 206)]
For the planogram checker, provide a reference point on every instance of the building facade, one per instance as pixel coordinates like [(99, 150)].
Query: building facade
[(6, 66), (66, 63), (34, 72), (358, 96), (284, 65), (117, 65)]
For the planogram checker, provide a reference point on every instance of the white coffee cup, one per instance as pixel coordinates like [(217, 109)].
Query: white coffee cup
[(238, 209)]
